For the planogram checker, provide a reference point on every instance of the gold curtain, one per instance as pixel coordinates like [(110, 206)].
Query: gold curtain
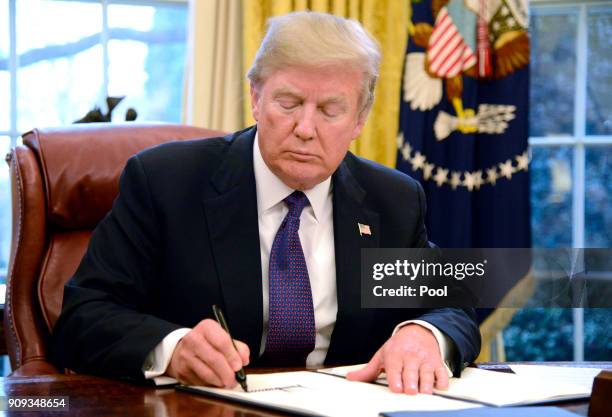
[(213, 77), (387, 21)]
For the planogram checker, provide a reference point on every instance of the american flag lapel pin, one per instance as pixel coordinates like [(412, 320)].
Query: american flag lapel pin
[(364, 229)]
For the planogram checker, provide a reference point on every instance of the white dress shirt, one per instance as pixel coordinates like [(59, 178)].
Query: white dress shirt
[(317, 238)]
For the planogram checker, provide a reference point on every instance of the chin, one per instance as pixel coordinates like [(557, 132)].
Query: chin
[(301, 183), (300, 177)]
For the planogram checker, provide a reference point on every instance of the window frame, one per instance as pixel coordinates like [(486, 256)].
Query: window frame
[(13, 59), (579, 140), (13, 131)]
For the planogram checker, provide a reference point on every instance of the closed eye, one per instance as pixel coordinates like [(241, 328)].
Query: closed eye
[(287, 101), (332, 109), (288, 104)]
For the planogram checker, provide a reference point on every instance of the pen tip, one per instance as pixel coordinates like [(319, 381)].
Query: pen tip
[(244, 386)]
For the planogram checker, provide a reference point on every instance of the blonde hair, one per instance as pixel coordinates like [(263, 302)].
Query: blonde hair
[(307, 39)]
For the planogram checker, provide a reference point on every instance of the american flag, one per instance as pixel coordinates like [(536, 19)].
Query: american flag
[(447, 52), (364, 229)]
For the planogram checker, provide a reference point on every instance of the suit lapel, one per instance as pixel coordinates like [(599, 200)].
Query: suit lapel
[(232, 222), (352, 322)]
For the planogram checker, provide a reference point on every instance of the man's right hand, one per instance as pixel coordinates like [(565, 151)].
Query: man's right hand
[(206, 356)]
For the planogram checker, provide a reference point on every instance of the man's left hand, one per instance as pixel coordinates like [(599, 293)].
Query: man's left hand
[(411, 360)]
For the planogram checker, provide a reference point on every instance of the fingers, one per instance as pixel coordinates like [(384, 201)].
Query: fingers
[(412, 361), (206, 356), (369, 372), (201, 374), (419, 376), (188, 369), (441, 377), (243, 351), (426, 378), (217, 362), (410, 377), (423, 375), (394, 367), (222, 343)]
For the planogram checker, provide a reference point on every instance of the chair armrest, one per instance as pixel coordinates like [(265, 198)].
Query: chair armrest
[(35, 368)]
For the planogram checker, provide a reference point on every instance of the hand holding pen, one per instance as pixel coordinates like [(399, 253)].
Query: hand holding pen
[(240, 375), (207, 355)]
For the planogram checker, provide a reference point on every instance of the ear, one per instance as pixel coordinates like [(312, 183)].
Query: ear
[(255, 101), (361, 120)]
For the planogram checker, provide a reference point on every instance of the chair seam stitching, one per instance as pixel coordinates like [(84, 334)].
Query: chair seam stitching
[(9, 311)]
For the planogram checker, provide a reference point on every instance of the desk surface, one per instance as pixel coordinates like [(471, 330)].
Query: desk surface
[(90, 395)]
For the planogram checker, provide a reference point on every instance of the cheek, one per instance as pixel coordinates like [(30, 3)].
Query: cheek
[(277, 123), (336, 147)]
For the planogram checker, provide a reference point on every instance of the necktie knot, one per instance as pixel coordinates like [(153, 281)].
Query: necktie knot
[(296, 202)]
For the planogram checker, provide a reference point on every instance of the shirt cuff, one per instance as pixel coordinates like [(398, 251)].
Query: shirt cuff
[(445, 343), (158, 359)]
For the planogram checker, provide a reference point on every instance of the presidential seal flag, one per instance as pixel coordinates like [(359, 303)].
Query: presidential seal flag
[(463, 120)]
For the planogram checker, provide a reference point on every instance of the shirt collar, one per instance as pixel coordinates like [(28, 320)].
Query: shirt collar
[(271, 190)]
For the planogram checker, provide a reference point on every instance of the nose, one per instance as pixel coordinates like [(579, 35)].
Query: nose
[(305, 126)]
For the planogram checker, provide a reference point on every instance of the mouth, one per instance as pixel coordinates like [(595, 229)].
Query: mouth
[(301, 156)]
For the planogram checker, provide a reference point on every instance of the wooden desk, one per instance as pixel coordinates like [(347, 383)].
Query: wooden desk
[(104, 397)]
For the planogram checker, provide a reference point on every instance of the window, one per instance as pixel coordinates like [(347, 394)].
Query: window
[(571, 146), (60, 59)]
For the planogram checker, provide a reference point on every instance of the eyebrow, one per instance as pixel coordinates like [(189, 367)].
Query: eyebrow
[(285, 91), (335, 100)]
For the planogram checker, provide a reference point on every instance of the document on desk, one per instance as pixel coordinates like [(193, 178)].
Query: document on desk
[(498, 388), (317, 394), (567, 374)]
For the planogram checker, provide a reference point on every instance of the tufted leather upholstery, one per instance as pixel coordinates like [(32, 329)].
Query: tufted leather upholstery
[(63, 182)]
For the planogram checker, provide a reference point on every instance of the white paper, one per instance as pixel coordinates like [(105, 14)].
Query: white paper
[(582, 377), (496, 388), (319, 394), (502, 389), (344, 370)]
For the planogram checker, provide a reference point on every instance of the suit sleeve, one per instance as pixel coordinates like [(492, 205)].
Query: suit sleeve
[(105, 326), (459, 324)]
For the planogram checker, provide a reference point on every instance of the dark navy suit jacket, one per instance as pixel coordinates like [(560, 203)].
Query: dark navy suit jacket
[(183, 235)]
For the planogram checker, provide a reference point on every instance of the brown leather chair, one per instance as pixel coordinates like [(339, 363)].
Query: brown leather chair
[(63, 182)]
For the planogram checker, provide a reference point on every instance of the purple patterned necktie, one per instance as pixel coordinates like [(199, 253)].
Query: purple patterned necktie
[(291, 332)]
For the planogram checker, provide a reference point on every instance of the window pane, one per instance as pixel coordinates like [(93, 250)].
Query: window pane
[(5, 208), (5, 96), (5, 100), (597, 335), (540, 334), (598, 198), (4, 24), (553, 66), (599, 79), (42, 23), (551, 196), (60, 76), (147, 60)]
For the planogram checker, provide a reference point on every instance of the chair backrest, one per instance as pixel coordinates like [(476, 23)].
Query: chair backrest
[(63, 182)]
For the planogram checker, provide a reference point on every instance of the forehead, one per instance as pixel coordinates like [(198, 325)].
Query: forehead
[(320, 82)]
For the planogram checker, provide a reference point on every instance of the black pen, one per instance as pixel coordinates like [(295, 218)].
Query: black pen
[(240, 375)]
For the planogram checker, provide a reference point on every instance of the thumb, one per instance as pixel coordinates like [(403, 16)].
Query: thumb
[(243, 351), (369, 372)]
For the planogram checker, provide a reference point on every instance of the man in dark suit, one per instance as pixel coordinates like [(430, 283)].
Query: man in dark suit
[(268, 223)]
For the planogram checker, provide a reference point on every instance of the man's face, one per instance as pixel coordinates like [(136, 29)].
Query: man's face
[(306, 120)]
